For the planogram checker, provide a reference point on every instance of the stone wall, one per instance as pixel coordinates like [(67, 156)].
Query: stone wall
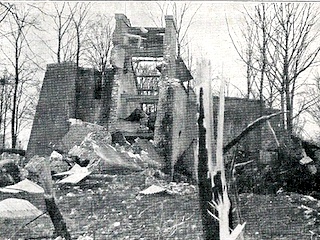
[(89, 95), (176, 128), (239, 112), (67, 92), (55, 106)]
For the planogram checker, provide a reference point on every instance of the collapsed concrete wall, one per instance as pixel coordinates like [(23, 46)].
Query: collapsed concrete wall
[(124, 83), (67, 92), (55, 106), (185, 130), (124, 79), (72, 92), (176, 127), (239, 112)]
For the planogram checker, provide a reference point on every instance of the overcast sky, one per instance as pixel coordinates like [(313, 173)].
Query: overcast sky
[(208, 33)]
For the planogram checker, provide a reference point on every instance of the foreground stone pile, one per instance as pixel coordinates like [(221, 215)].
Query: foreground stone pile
[(89, 147)]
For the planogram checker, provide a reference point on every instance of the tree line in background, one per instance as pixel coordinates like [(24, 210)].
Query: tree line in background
[(65, 31), (279, 48)]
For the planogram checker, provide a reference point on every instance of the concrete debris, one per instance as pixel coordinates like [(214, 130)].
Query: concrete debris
[(74, 178), (74, 121), (34, 168), (90, 152), (153, 189), (85, 238), (9, 173), (76, 151), (13, 208), (58, 163), (79, 130), (23, 186), (305, 160), (157, 178), (118, 138), (75, 174), (111, 160), (171, 188), (75, 169), (149, 151), (55, 156)]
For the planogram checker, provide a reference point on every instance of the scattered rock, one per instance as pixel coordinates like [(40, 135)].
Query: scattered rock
[(9, 173), (57, 163)]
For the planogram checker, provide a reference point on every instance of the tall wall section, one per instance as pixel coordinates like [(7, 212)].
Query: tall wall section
[(67, 92), (55, 106), (176, 127), (89, 93), (124, 80), (239, 112), (184, 130)]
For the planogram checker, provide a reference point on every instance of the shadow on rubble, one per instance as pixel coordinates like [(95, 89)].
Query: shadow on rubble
[(293, 167)]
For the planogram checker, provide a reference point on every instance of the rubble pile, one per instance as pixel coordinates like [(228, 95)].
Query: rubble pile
[(79, 130), (10, 171), (86, 149), (295, 169), (93, 147), (156, 179), (310, 209)]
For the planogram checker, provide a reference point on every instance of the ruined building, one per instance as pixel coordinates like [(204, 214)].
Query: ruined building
[(146, 74)]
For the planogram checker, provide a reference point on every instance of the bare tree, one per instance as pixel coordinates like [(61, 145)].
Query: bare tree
[(254, 52), (21, 21), (62, 18), (283, 49), (79, 17), (183, 14), (98, 42), (291, 50)]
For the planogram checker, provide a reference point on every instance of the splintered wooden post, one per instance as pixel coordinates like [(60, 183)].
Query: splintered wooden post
[(220, 191), (51, 206), (208, 118), (205, 154), (210, 225)]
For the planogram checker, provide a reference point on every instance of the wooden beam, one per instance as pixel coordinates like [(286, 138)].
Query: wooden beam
[(210, 225), (248, 129), (140, 98), (13, 151), (148, 75)]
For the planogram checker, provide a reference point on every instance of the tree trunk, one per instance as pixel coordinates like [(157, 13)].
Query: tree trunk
[(4, 124), (263, 71), (283, 115), (1, 104), (289, 110), (210, 225), (14, 102), (78, 46), (51, 206), (59, 50), (57, 218)]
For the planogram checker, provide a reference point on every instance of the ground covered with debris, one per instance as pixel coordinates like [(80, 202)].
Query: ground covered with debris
[(108, 188), (97, 209)]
